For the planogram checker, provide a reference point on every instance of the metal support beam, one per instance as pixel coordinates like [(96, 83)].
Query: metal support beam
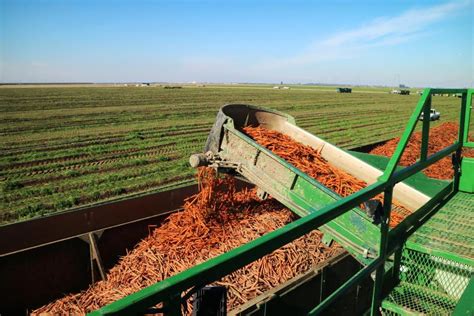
[(172, 307), (384, 229), (95, 255), (461, 139), (426, 129), (397, 259), (392, 164), (467, 118)]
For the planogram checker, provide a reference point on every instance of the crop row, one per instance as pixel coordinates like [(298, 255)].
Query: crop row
[(79, 191), (105, 138), (66, 147)]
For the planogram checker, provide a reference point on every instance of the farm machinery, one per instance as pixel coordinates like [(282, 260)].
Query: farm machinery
[(423, 265)]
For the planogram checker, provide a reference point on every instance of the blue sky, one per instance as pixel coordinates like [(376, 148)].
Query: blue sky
[(422, 43)]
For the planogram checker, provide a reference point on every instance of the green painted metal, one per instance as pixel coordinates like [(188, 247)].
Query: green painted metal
[(429, 285), (466, 181), (437, 260), (466, 141), (302, 195), (384, 228), (226, 263), (448, 233), (404, 173), (465, 307), (445, 91), (439, 239), (354, 280), (418, 181), (409, 226), (426, 129), (392, 164), (389, 308), (423, 103)]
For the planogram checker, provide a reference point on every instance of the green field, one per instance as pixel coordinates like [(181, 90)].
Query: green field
[(63, 147)]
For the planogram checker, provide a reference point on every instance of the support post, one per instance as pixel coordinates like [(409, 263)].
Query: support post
[(467, 119), (425, 136), (172, 306), (461, 138), (95, 255), (397, 258), (380, 272)]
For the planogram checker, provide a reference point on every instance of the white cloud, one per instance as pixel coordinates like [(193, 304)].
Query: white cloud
[(383, 31)]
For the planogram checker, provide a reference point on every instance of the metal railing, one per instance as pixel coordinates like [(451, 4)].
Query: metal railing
[(169, 291)]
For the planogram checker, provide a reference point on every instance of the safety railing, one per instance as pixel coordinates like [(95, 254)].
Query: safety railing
[(467, 120), (169, 291)]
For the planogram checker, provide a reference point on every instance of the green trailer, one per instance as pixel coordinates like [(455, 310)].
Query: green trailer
[(423, 266)]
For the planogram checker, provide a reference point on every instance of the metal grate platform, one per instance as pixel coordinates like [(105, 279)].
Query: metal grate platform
[(449, 232), (437, 262)]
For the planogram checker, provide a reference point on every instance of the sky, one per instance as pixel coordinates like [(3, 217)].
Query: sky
[(417, 43)]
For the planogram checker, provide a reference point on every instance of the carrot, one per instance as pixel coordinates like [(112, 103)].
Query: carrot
[(310, 161), (215, 220)]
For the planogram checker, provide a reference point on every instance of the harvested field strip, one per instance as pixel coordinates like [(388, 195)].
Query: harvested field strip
[(106, 166), (40, 207), (156, 133), (85, 158), (162, 154), (367, 126), (101, 151), (340, 121), (362, 135), (136, 159), (309, 160), (212, 222), (351, 143), (356, 140), (23, 127), (78, 180), (77, 134), (376, 134), (105, 151), (328, 117), (70, 122), (58, 198)]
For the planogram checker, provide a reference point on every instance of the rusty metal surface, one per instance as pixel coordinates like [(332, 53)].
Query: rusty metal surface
[(36, 276), (36, 232), (45, 258), (32, 278)]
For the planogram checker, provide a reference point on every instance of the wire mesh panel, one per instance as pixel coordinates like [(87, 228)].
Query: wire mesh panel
[(429, 284), (450, 230)]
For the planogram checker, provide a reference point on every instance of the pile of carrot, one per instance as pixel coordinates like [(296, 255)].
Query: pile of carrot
[(310, 161), (441, 136), (216, 220)]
